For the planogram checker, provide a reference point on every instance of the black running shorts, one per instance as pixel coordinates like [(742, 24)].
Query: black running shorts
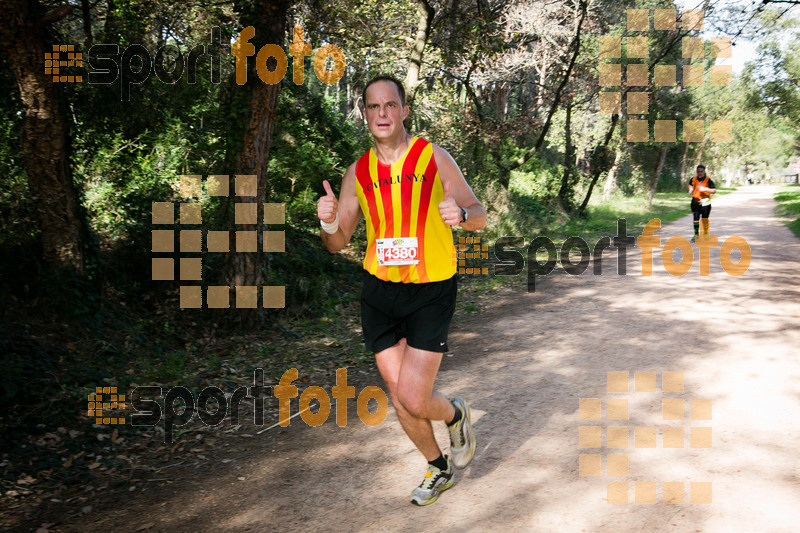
[(700, 210), (418, 312)]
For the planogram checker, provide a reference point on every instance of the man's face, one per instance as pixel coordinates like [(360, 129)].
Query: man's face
[(701, 171), (384, 110)]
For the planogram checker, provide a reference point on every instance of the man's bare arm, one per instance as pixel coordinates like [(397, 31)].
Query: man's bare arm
[(347, 209), (460, 194)]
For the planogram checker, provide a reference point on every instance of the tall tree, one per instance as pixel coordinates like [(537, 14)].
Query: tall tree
[(611, 180), (24, 41), (651, 190), (268, 18), (564, 198)]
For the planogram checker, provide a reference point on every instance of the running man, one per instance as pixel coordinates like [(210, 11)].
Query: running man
[(411, 193), (701, 188)]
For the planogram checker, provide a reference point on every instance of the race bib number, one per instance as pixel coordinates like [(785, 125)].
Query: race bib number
[(705, 201), (393, 252)]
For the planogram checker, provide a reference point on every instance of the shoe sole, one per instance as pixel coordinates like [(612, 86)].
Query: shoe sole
[(468, 422), (436, 496)]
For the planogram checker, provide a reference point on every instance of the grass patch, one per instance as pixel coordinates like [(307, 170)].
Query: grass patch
[(788, 208), (602, 219), (667, 206)]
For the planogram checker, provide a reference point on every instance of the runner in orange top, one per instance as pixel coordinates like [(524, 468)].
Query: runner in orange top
[(701, 188), (411, 193)]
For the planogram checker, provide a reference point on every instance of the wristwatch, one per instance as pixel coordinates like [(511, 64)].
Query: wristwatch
[(464, 215)]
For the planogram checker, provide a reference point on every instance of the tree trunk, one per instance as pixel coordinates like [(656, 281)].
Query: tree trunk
[(683, 163), (598, 169), (654, 183), (542, 80), (564, 198), (44, 133), (269, 20), (611, 181), (699, 156), (500, 101), (87, 22), (411, 83)]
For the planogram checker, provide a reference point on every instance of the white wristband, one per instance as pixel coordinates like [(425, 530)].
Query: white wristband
[(331, 228)]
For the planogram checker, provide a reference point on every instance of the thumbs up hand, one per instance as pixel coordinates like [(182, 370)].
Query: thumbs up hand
[(328, 205), (451, 213)]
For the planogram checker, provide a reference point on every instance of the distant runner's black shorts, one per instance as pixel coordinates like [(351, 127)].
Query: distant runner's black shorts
[(700, 210), (420, 312)]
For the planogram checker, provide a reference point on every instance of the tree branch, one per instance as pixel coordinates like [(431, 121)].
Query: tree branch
[(54, 15)]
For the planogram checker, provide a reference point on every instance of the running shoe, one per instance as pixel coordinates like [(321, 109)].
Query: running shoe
[(436, 481), (462, 439), (694, 238)]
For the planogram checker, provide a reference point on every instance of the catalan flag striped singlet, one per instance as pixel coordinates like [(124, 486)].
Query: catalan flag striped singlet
[(402, 200)]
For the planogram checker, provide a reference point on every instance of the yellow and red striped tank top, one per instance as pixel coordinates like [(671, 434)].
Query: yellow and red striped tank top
[(402, 200)]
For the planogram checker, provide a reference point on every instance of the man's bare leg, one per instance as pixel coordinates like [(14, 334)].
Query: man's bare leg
[(409, 374)]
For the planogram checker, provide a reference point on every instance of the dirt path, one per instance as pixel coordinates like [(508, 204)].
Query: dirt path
[(524, 364)]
